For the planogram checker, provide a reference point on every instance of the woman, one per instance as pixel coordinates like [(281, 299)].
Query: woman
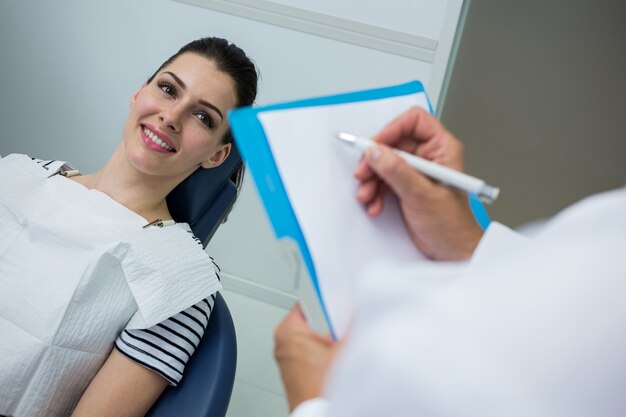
[(88, 259)]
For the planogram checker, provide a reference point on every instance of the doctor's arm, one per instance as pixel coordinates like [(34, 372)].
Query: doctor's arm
[(304, 358), (438, 219), (121, 388)]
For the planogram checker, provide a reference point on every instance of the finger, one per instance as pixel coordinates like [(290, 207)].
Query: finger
[(367, 191), (293, 319), (448, 152), (376, 206), (327, 339), (415, 123), (373, 197), (296, 315), (430, 149), (395, 172), (363, 172)]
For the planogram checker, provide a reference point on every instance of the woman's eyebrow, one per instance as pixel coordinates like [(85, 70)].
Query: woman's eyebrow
[(184, 86)]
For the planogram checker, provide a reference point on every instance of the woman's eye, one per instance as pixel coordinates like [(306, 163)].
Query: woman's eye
[(167, 88), (205, 119)]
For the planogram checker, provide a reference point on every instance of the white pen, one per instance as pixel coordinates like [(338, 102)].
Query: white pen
[(448, 176)]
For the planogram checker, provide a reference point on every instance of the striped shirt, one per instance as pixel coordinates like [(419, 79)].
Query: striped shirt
[(166, 347)]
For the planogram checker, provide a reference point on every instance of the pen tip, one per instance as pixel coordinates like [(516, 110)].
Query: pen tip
[(346, 136)]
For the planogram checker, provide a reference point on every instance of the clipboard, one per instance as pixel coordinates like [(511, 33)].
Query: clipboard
[(255, 148)]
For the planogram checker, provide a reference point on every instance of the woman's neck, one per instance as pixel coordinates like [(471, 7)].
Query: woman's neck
[(141, 193)]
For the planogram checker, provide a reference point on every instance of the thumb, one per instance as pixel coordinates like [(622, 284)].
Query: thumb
[(296, 315), (394, 171)]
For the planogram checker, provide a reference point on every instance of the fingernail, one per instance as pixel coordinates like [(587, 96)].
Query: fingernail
[(373, 153), (360, 194)]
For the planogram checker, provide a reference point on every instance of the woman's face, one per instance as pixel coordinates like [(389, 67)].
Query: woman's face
[(176, 122)]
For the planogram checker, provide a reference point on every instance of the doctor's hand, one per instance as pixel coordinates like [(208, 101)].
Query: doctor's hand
[(438, 218), (303, 357)]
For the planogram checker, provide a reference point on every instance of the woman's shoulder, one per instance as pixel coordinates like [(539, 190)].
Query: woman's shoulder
[(189, 233), (167, 347), (171, 259)]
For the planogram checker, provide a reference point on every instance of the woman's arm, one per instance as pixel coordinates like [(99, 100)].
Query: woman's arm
[(121, 388), (126, 385)]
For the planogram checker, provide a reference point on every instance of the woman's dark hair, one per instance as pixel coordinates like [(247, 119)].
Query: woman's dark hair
[(233, 61)]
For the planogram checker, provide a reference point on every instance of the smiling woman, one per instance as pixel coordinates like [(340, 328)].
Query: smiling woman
[(103, 279), (176, 121)]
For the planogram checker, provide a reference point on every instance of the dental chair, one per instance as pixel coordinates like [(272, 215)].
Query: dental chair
[(203, 200)]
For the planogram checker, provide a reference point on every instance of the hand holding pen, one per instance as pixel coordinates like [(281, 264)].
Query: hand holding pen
[(446, 176), (438, 218)]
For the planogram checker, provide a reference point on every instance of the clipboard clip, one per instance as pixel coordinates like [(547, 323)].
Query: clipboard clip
[(159, 223), (66, 173)]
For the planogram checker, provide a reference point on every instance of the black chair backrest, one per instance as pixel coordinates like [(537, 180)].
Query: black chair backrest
[(204, 198)]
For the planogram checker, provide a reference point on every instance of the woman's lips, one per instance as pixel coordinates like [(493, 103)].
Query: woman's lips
[(156, 141)]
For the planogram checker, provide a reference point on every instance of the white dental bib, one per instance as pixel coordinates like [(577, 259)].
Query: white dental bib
[(75, 267)]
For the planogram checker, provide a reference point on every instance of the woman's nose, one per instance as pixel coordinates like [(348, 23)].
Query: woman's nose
[(171, 117)]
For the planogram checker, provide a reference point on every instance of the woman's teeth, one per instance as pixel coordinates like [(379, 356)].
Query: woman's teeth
[(154, 138)]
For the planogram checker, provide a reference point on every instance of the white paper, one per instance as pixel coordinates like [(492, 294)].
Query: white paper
[(317, 171)]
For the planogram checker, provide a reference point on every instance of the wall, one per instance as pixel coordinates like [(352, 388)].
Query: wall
[(538, 96)]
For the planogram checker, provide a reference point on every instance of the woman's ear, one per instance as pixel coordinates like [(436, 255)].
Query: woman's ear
[(134, 97), (219, 156)]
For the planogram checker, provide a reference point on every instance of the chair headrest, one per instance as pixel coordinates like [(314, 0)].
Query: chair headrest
[(204, 197)]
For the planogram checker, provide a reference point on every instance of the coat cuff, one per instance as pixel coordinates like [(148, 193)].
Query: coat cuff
[(315, 407)]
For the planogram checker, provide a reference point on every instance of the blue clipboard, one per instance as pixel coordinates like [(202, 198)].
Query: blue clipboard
[(256, 152)]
